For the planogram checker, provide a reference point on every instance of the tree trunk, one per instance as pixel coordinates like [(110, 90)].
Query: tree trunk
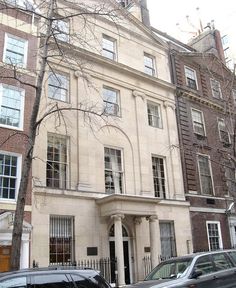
[(27, 162)]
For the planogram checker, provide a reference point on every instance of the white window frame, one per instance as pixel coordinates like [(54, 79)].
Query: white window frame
[(200, 123), (114, 170), (151, 68), (215, 83), (60, 87), (114, 47), (225, 130), (152, 116), (194, 78), (21, 119), (219, 231), (115, 104), (61, 34), (163, 194), (210, 169), (18, 175), (7, 36)]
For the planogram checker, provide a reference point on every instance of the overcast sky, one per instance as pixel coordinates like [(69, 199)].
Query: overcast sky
[(166, 14)]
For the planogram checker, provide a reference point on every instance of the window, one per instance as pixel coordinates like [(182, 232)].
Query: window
[(230, 175), (58, 86), (56, 161), (61, 239), (109, 47), (221, 261), (159, 177), (215, 87), (11, 106), (111, 101), (16, 282), (113, 171), (54, 280), (9, 176), (167, 234), (149, 66), (204, 264), (198, 122), (224, 134), (154, 115), (205, 175), (214, 235), (60, 29), (15, 51), (191, 78), (234, 96)]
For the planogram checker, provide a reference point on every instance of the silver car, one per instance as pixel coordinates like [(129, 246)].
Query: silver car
[(203, 270)]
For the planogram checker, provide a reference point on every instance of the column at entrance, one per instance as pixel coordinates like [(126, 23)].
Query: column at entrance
[(119, 248), (154, 239)]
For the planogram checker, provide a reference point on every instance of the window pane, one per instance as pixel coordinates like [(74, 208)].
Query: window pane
[(154, 117), (168, 246), (58, 86), (61, 239), (108, 47), (113, 171), (56, 161), (158, 177), (11, 106), (214, 237), (8, 176), (111, 101), (15, 51), (16, 282), (205, 175)]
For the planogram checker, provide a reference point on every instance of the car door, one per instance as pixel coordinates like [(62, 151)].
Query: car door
[(207, 279), (52, 280), (225, 271)]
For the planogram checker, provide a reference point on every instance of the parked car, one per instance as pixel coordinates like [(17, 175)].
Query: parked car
[(203, 270), (58, 277)]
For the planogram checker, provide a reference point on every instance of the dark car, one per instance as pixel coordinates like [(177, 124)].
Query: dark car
[(203, 270), (53, 278)]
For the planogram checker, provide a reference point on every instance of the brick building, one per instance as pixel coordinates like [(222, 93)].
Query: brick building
[(18, 44), (205, 105)]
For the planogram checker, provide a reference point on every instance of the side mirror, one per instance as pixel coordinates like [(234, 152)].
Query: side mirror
[(196, 273)]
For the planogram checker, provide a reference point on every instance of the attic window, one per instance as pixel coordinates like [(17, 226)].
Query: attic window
[(124, 3)]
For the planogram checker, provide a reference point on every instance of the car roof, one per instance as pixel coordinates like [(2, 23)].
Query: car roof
[(196, 254), (49, 270)]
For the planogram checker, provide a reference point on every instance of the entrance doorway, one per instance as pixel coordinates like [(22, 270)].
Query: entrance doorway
[(5, 253), (126, 254)]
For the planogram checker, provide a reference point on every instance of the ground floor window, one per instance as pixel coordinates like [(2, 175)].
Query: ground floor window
[(61, 239), (168, 245), (214, 235)]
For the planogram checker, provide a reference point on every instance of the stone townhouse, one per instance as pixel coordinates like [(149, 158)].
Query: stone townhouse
[(112, 186), (205, 100), (17, 54)]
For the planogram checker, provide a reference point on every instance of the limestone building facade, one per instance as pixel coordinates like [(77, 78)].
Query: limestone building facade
[(109, 186)]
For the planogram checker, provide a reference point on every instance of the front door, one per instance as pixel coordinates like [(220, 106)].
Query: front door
[(126, 261), (126, 254), (5, 253)]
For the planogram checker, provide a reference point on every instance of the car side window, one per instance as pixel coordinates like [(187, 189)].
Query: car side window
[(81, 282), (50, 281), (204, 264), (233, 256), (16, 282), (221, 261)]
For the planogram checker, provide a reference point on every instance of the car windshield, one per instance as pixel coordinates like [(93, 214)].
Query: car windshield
[(169, 269)]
